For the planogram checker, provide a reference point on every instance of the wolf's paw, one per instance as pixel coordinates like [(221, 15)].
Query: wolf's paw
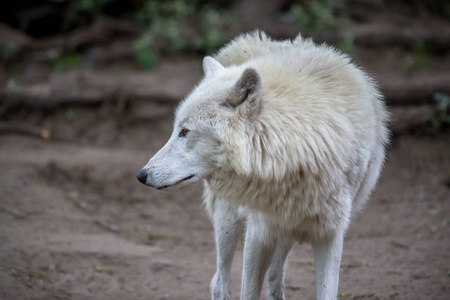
[(220, 289)]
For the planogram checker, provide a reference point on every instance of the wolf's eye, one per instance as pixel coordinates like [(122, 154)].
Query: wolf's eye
[(183, 132)]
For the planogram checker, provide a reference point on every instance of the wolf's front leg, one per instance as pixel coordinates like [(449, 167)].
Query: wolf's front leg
[(275, 274), (327, 261), (228, 225), (258, 251)]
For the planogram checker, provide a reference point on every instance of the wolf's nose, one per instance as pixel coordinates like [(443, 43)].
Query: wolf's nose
[(142, 176)]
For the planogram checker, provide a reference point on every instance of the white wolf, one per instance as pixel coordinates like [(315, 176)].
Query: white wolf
[(287, 135)]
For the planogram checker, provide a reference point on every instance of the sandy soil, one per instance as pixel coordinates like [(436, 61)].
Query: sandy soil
[(76, 224)]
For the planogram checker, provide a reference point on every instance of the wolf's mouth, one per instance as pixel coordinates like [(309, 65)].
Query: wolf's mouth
[(164, 187), (187, 178)]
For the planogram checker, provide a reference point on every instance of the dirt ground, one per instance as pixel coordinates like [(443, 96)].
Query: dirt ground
[(76, 224)]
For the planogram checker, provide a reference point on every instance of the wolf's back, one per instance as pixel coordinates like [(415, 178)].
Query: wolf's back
[(251, 45)]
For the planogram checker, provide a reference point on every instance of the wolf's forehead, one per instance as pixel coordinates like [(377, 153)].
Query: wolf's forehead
[(191, 112), (202, 104)]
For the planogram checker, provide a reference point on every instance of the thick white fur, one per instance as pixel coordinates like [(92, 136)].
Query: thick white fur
[(289, 136)]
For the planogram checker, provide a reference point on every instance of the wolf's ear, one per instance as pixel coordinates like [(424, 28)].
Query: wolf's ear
[(211, 66), (247, 90)]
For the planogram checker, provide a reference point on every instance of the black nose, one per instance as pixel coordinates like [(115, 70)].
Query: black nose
[(142, 176)]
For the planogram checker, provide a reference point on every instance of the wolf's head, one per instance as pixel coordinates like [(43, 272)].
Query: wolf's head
[(209, 128)]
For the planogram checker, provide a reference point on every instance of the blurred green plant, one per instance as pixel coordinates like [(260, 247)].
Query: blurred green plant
[(171, 28), (64, 62), (145, 56), (213, 35), (347, 44), (154, 11), (10, 51), (12, 85), (441, 117), (348, 294), (70, 116), (92, 7), (164, 21), (418, 58), (318, 15)]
